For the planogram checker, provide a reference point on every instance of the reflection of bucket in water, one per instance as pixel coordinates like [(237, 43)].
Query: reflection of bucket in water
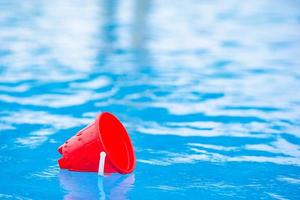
[(116, 186), (92, 186)]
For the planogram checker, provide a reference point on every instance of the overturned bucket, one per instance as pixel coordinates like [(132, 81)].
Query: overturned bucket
[(103, 146)]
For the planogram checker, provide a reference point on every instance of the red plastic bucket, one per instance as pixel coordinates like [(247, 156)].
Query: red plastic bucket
[(107, 134)]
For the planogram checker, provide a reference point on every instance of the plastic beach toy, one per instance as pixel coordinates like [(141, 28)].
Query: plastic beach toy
[(103, 146)]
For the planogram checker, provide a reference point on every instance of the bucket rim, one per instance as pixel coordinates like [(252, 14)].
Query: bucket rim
[(131, 156)]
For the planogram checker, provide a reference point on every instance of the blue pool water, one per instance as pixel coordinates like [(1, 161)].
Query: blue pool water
[(208, 90)]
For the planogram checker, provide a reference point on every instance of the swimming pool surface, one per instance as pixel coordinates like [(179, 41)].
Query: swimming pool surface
[(208, 90)]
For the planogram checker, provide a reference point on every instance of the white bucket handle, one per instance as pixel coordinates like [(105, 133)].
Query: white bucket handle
[(101, 163)]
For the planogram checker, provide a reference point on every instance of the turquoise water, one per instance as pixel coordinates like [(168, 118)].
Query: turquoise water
[(208, 90)]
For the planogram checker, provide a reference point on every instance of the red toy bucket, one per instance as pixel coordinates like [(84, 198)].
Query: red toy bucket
[(106, 136)]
